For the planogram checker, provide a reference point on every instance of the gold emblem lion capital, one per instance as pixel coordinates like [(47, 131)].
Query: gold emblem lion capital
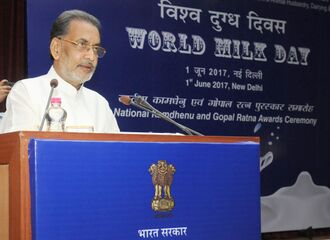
[(162, 178)]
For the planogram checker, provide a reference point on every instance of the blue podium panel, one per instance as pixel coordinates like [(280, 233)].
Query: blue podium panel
[(141, 190)]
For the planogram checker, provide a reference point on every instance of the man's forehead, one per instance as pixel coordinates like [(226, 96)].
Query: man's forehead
[(83, 29)]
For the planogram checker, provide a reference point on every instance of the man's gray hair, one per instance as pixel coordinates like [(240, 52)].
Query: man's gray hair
[(61, 24)]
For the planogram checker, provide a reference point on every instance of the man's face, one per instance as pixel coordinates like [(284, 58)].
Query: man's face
[(73, 65)]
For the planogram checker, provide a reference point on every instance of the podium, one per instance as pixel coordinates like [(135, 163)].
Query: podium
[(128, 186)]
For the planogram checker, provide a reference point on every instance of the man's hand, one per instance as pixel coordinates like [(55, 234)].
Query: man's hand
[(4, 89)]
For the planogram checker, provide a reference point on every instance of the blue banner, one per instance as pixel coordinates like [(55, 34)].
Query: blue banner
[(136, 190)]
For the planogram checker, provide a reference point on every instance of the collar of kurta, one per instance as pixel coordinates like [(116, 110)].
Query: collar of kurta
[(64, 85)]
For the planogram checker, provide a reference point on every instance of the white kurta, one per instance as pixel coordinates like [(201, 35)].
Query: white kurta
[(86, 109)]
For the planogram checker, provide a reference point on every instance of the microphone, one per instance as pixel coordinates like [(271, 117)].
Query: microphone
[(139, 102), (126, 100), (53, 84)]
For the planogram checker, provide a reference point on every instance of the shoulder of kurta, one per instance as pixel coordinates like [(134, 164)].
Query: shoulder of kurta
[(95, 96)]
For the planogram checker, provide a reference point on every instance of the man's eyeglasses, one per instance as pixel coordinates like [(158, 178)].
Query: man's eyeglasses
[(84, 46)]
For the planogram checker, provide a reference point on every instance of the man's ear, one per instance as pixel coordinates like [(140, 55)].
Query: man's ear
[(55, 48)]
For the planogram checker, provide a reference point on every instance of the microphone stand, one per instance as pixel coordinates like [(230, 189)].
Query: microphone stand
[(142, 104), (53, 85)]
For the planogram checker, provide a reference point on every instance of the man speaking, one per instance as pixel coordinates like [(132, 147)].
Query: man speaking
[(75, 48)]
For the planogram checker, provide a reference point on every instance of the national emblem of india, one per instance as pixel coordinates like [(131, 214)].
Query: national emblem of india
[(162, 178)]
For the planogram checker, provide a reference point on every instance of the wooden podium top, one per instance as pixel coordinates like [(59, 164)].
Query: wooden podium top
[(143, 137)]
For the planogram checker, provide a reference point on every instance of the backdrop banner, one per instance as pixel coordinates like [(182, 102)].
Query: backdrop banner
[(254, 68)]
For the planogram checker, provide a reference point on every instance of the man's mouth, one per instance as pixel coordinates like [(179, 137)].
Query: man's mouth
[(87, 67)]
